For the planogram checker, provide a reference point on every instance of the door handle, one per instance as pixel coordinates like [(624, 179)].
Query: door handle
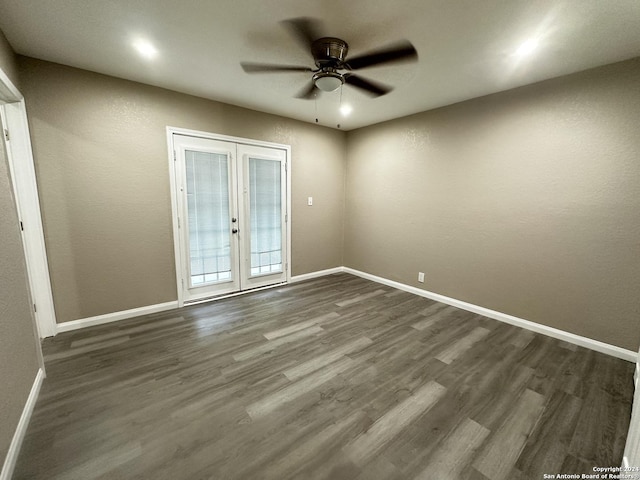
[(234, 230)]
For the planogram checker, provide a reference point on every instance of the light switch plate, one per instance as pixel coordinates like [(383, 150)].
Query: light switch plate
[(310, 201)]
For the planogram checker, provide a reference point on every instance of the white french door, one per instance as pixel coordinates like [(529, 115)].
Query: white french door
[(231, 205)]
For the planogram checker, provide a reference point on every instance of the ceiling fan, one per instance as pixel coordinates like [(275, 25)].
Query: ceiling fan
[(333, 68)]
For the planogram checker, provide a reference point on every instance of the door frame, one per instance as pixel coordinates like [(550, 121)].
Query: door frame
[(23, 177), (175, 209)]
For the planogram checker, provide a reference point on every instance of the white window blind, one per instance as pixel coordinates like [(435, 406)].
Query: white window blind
[(208, 212), (266, 210)]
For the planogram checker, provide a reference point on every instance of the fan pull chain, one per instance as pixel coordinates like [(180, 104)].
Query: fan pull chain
[(315, 100), (340, 106)]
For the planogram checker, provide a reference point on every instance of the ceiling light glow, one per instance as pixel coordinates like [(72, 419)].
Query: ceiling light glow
[(345, 109), (527, 47), (145, 48)]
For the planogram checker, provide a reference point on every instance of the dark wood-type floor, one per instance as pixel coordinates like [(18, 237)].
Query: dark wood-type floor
[(333, 378)]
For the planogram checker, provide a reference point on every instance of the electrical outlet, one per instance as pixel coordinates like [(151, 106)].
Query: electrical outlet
[(421, 277)]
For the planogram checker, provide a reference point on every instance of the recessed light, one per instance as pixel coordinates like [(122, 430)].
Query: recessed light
[(346, 109), (145, 48), (527, 47)]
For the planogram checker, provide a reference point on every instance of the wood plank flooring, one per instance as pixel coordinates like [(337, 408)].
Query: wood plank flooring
[(333, 378)]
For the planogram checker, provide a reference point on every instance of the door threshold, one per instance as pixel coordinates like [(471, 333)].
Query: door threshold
[(213, 298)]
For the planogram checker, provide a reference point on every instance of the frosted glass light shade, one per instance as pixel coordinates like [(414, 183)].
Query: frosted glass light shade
[(328, 83)]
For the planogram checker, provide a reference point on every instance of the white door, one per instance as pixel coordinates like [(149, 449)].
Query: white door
[(263, 209), (231, 203)]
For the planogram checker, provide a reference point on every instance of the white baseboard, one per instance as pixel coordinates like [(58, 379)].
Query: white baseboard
[(320, 273), (135, 312), (21, 429), (596, 345), (502, 317), (114, 317)]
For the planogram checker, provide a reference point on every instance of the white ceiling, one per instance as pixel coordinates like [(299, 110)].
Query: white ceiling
[(466, 47)]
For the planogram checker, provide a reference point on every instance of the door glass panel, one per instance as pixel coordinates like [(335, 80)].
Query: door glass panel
[(207, 177), (265, 216)]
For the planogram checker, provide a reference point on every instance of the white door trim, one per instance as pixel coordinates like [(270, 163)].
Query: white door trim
[(23, 176), (8, 91), (175, 205), (631, 456)]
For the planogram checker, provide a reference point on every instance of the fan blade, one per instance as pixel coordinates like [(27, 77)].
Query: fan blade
[(304, 29), (270, 68), (371, 88), (308, 92), (399, 52)]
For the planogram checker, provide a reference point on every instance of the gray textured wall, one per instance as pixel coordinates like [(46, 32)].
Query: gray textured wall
[(101, 160), (8, 61), (526, 202)]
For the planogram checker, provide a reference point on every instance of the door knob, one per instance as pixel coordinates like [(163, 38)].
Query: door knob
[(234, 230)]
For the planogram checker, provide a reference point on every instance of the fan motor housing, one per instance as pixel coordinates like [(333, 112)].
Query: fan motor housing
[(329, 52)]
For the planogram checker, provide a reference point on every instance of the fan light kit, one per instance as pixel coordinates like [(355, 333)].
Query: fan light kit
[(333, 69), (328, 81)]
